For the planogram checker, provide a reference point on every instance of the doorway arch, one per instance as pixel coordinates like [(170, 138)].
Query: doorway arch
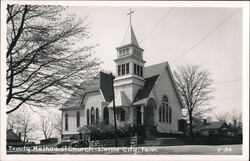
[(149, 112)]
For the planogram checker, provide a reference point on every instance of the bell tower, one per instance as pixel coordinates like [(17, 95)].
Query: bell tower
[(129, 63)]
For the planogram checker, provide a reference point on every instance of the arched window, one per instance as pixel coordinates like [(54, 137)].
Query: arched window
[(77, 119), (170, 115), (160, 114), (92, 116), (87, 116), (97, 115), (66, 122), (106, 116), (165, 109)]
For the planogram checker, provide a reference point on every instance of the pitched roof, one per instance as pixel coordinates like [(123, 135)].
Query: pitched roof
[(75, 99), (129, 37), (103, 83), (120, 100), (152, 70), (11, 136), (144, 92), (151, 74), (106, 86), (213, 125)]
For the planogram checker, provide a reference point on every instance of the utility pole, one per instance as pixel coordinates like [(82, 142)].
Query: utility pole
[(113, 95)]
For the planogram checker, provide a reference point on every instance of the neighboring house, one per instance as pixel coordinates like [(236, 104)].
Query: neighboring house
[(144, 95), (217, 128), (49, 141), (13, 139)]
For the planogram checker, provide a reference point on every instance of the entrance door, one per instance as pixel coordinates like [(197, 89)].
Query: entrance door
[(149, 112), (138, 115)]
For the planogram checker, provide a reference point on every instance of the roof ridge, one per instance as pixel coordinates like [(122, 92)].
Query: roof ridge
[(165, 62)]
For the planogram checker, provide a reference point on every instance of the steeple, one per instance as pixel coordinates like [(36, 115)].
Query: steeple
[(130, 55), (129, 64), (130, 37)]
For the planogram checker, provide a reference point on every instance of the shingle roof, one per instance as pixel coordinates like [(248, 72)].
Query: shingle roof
[(152, 70), (76, 98), (151, 74), (144, 92), (106, 86), (213, 125), (103, 82)]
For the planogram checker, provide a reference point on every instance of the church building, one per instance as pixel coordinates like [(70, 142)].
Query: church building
[(144, 95)]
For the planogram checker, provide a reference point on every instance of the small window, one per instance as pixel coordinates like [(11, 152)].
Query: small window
[(165, 99), (135, 68), (138, 69), (106, 116), (141, 74), (122, 115), (66, 122), (127, 50), (119, 70), (77, 119), (160, 114), (123, 52), (165, 109), (167, 119), (123, 69), (163, 112), (88, 117), (97, 116), (92, 116), (127, 68), (170, 115)]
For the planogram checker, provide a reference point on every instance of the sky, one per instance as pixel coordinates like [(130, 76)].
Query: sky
[(209, 37)]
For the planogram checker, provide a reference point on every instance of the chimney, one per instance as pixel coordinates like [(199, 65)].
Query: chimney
[(205, 121)]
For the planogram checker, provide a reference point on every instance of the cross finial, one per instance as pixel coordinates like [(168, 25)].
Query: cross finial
[(130, 13)]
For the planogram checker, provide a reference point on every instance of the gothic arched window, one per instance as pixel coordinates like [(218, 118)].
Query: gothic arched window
[(92, 116), (66, 122), (170, 115), (87, 116), (97, 116), (160, 114), (106, 116), (165, 109), (77, 119)]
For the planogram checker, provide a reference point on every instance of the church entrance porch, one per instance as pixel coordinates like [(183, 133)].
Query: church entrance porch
[(149, 110), (144, 116)]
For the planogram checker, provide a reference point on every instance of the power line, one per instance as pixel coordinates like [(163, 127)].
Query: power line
[(159, 22), (228, 81), (206, 36)]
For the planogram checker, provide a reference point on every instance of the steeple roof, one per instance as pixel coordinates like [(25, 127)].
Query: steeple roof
[(130, 37)]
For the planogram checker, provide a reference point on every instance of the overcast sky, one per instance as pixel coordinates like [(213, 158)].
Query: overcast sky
[(210, 37)]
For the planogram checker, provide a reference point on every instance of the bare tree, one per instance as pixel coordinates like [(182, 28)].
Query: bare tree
[(223, 117), (46, 55), (58, 125), (235, 120), (21, 122), (194, 86), (46, 125)]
